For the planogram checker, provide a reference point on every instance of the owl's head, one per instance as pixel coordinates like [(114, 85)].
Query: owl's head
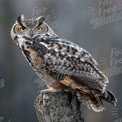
[(30, 29)]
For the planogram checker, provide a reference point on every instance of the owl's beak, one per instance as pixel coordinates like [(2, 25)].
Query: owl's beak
[(31, 33)]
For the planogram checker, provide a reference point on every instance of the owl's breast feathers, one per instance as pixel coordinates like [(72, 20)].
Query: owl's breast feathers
[(73, 66)]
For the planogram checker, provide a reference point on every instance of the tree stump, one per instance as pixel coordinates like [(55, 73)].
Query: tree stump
[(58, 107)]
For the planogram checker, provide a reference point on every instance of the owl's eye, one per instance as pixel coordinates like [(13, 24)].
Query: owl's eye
[(38, 28), (22, 29), (41, 29)]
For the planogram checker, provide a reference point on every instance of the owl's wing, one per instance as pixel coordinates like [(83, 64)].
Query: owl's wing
[(65, 57)]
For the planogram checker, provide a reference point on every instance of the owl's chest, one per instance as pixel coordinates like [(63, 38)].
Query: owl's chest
[(36, 62), (34, 53), (32, 57)]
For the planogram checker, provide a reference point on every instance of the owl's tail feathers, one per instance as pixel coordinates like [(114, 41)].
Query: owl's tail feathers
[(109, 97), (96, 101)]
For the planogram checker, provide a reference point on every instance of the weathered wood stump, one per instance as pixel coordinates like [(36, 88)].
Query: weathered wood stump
[(58, 107)]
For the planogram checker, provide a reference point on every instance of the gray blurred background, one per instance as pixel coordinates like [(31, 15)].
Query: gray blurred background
[(95, 25)]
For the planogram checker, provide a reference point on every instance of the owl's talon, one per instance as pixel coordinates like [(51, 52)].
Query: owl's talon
[(44, 91), (50, 90)]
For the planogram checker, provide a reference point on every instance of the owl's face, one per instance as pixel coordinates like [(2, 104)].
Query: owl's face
[(29, 29)]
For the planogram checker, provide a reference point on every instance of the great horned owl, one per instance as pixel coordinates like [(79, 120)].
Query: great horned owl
[(60, 63)]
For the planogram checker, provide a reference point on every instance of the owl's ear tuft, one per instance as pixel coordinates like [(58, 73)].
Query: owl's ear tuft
[(40, 19), (20, 19)]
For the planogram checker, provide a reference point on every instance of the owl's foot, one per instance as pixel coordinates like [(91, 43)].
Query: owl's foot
[(50, 90)]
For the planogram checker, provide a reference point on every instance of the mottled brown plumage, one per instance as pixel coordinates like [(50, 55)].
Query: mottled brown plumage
[(60, 63)]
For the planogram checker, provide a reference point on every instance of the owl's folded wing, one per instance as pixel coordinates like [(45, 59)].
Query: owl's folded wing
[(65, 57)]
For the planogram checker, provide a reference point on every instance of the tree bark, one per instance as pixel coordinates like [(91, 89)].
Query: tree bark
[(58, 107)]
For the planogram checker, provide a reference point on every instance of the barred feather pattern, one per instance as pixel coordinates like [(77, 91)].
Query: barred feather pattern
[(64, 62), (61, 64)]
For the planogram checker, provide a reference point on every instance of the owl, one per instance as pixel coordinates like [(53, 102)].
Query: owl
[(61, 64)]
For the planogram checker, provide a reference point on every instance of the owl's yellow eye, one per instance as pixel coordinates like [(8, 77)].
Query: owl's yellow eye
[(22, 29), (38, 28)]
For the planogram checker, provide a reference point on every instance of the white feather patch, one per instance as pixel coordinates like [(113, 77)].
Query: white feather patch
[(21, 41)]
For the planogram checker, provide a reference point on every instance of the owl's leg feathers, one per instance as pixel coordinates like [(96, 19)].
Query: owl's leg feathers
[(91, 101), (85, 95), (93, 98)]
